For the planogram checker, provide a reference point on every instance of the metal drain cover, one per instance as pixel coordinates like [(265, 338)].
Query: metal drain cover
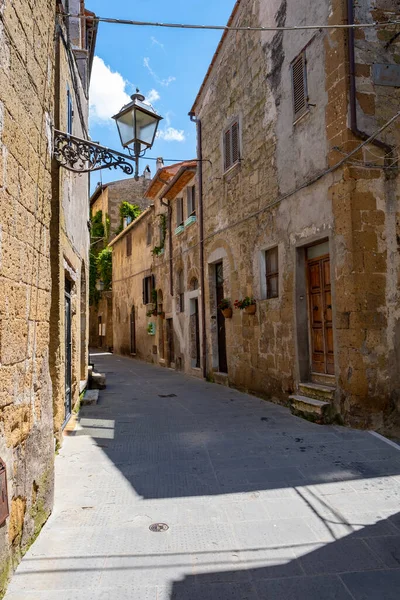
[(158, 527)]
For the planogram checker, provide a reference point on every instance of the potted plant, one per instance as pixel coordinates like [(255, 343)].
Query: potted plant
[(226, 308), (248, 304)]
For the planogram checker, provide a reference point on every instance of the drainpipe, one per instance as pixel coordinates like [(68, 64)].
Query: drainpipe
[(171, 258), (353, 90), (194, 119)]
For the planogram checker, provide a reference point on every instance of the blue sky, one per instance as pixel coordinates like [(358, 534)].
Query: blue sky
[(169, 64)]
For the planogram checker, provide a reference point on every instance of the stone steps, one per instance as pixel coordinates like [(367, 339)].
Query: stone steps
[(309, 407), (326, 393), (91, 397)]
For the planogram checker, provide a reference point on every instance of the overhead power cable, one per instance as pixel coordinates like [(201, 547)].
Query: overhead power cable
[(372, 25)]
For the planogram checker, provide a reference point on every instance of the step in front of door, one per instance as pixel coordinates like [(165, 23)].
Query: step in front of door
[(326, 393), (310, 408)]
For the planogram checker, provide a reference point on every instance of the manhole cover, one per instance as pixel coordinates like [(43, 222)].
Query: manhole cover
[(158, 527)]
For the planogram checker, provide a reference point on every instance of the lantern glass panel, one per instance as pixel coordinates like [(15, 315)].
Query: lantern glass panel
[(146, 126), (126, 128)]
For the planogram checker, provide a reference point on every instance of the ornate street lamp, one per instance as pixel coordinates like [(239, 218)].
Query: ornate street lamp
[(137, 124)]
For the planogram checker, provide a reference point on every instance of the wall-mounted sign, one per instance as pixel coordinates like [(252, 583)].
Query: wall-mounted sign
[(386, 75)]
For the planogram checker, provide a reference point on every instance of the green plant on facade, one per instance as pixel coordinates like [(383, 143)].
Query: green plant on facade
[(94, 294), (99, 236), (127, 210), (97, 232), (104, 267), (157, 250)]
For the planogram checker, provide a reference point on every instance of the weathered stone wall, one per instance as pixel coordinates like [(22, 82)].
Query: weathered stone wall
[(258, 204), (128, 274), (109, 200), (26, 413), (125, 190), (366, 207), (71, 241)]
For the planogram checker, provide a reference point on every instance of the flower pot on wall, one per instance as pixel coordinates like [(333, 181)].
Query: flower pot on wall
[(250, 310), (227, 312)]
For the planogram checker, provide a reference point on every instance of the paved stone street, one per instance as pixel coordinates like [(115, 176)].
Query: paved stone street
[(259, 504)]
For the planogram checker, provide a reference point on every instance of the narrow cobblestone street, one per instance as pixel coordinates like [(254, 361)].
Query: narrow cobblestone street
[(259, 504)]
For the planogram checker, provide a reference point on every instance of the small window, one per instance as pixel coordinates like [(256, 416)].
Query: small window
[(181, 292), (149, 234), (272, 272), (148, 287), (299, 86), (70, 112), (191, 201), (231, 146), (129, 244), (179, 212)]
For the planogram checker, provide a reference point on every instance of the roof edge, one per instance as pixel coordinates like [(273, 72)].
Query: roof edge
[(214, 58), (175, 179)]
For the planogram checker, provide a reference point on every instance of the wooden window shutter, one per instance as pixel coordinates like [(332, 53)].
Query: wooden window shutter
[(299, 84), (227, 149), (144, 290), (153, 283), (235, 143)]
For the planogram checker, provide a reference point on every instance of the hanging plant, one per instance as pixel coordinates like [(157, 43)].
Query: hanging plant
[(248, 304), (225, 307)]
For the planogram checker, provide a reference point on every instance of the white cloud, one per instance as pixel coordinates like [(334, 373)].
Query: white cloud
[(107, 92), (170, 134), (152, 96), (155, 42), (164, 82)]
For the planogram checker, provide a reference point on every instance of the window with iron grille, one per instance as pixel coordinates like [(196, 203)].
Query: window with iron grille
[(149, 234), (272, 272), (129, 244), (148, 287), (191, 201), (299, 86), (231, 145), (179, 212)]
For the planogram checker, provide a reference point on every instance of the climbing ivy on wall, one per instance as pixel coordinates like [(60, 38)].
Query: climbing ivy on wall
[(157, 250), (100, 265), (127, 210), (104, 267)]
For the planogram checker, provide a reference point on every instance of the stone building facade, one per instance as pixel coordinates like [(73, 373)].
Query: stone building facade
[(41, 243), (313, 236), (156, 274), (107, 198)]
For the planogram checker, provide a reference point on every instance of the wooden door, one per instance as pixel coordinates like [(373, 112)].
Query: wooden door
[(219, 283), (320, 312), (133, 331), (170, 341), (68, 352), (197, 333)]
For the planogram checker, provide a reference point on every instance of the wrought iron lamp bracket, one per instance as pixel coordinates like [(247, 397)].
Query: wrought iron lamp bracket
[(83, 156)]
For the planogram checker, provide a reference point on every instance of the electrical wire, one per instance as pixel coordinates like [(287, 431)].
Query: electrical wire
[(374, 24), (306, 184)]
